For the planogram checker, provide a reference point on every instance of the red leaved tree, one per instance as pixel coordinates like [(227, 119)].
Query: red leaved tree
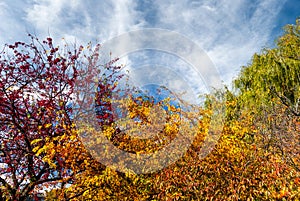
[(36, 84)]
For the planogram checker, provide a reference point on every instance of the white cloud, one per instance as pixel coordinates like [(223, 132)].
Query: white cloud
[(12, 22), (84, 20), (229, 31)]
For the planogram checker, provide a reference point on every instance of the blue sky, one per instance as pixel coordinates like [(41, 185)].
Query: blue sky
[(230, 32)]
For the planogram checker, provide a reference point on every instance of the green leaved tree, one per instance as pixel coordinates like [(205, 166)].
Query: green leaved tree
[(269, 89)]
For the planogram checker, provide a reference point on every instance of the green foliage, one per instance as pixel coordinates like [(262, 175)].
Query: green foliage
[(274, 75)]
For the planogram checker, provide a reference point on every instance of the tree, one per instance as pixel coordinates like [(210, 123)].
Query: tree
[(240, 167), (274, 74), (46, 92), (270, 87), (268, 90), (36, 84)]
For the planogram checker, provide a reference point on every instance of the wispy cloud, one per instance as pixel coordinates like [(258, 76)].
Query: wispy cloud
[(229, 31), (83, 20), (12, 21)]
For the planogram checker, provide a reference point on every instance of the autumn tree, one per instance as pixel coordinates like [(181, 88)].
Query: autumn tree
[(36, 86), (57, 105), (255, 157), (269, 88)]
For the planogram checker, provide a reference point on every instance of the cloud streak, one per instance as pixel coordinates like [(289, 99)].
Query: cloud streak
[(83, 20), (229, 31)]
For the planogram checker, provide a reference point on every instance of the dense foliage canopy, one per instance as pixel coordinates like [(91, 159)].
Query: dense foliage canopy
[(44, 89)]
